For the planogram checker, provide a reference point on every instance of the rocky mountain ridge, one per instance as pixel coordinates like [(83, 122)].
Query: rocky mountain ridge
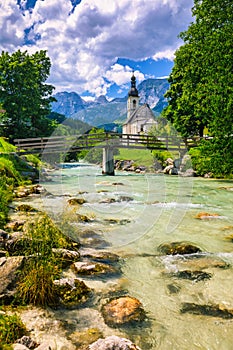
[(102, 111)]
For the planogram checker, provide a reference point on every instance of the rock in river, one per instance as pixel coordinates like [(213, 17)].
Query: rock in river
[(207, 310), (175, 248), (92, 268), (123, 310)]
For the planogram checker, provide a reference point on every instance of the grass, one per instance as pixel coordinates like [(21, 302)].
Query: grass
[(42, 265), (140, 157), (11, 329)]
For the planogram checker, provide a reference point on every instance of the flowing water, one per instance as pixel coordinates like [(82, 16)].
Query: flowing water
[(134, 214)]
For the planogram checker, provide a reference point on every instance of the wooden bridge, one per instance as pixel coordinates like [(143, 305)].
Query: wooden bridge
[(107, 141)]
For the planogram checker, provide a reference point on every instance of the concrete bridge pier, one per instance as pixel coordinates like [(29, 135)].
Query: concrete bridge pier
[(108, 161)]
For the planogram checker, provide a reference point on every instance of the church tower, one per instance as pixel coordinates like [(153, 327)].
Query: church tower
[(133, 98)]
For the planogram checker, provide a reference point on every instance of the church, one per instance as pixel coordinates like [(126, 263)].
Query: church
[(140, 118)]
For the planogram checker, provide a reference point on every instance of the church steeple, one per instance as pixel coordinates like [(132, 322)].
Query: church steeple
[(133, 98), (133, 90)]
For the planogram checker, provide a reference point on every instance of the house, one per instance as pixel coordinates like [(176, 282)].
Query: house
[(140, 118)]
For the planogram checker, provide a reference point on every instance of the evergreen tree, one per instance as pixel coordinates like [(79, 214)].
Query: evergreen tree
[(24, 96)]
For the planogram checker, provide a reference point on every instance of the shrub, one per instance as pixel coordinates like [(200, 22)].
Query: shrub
[(11, 329)]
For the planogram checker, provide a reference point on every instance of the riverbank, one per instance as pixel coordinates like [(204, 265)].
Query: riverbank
[(29, 281)]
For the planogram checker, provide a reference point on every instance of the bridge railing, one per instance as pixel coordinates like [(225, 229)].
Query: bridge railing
[(75, 143)]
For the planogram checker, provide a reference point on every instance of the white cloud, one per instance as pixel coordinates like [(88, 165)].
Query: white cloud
[(122, 74), (84, 44)]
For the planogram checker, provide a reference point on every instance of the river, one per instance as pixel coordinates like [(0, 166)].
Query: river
[(134, 214)]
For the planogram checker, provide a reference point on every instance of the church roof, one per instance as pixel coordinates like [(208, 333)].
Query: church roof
[(142, 113)]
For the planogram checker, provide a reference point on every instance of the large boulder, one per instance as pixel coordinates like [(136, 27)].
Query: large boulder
[(123, 310), (113, 343), (9, 268)]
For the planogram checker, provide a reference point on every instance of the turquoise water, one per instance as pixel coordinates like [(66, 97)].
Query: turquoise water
[(146, 211)]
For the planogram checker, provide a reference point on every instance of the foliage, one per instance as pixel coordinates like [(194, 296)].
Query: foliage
[(9, 176), (24, 96), (201, 82), (213, 156), (11, 329), (202, 78), (5, 146), (34, 160), (36, 280), (5, 198), (162, 156)]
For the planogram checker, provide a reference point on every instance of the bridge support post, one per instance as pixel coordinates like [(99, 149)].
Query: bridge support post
[(108, 161)]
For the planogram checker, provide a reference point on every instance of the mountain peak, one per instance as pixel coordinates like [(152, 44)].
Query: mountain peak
[(101, 99)]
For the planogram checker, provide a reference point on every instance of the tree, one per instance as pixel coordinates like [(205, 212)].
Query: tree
[(24, 96), (201, 85), (201, 82)]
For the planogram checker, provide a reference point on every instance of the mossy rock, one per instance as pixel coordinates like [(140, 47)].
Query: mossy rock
[(178, 248), (83, 218), (72, 292), (65, 256), (26, 208), (207, 310), (193, 275), (117, 221), (93, 268), (76, 201), (125, 199)]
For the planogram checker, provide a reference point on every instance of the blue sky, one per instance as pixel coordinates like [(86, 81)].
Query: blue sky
[(95, 44)]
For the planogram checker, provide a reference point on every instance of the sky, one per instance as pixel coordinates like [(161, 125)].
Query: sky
[(94, 45)]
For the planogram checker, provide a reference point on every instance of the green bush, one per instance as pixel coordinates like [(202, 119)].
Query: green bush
[(11, 329), (6, 146), (213, 156), (161, 156), (8, 167), (34, 160), (6, 195)]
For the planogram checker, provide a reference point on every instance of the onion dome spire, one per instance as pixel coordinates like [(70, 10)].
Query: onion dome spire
[(133, 90)]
